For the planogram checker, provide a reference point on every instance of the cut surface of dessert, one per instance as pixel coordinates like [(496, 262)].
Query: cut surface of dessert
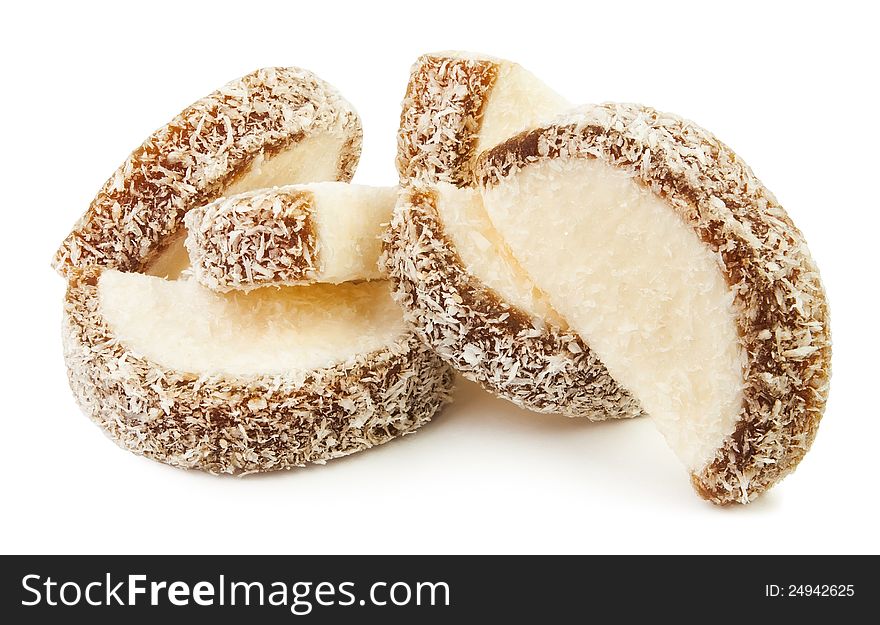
[(274, 126), (245, 382), (327, 232), (661, 248), (461, 288)]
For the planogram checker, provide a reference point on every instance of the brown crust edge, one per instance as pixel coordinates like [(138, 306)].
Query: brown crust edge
[(250, 225), (716, 193), (416, 138)]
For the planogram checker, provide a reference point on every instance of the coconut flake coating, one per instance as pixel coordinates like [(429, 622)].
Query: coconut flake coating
[(441, 118), (239, 425), (780, 305), (194, 158), (510, 353), (265, 237)]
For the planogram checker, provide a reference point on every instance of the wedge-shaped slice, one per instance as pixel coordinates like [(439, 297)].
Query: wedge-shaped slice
[(245, 382), (460, 287), (506, 338), (293, 235), (684, 274), (274, 126)]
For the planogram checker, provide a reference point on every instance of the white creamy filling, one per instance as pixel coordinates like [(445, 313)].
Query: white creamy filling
[(183, 326), (172, 261), (636, 282), (314, 159), (484, 254), (350, 220)]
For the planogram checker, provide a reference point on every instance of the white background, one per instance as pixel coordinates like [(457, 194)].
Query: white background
[(790, 88)]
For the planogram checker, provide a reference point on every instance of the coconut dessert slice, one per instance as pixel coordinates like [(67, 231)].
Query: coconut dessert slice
[(505, 337), (293, 235), (685, 275), (461, 288), (274, 126), (458, 104), (246, 382)]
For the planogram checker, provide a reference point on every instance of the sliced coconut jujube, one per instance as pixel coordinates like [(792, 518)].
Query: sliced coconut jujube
[(297, 234), (684, 274), (244, 382), (274, 126), (460, 287), (458, 104)]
